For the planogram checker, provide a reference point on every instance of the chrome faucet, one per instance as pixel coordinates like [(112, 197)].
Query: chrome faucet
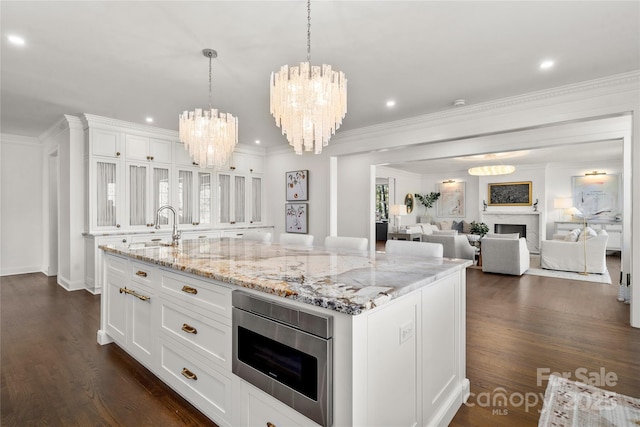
[(175, 234)]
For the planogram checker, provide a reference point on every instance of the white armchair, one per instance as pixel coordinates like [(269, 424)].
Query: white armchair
[(505, 255), (560, 254), (455, 246)]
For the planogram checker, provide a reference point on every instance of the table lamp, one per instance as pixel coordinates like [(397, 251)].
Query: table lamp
[(397, 211), (563, 203)]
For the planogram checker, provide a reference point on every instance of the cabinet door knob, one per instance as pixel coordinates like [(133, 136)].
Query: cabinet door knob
[(124, 240), (188, 374), (232, 168), (117, 225), (117, 154), (189, 329), (151, 158), (195, 163)]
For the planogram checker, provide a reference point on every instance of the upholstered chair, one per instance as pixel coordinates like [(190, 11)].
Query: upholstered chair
[(409, 248), (505, 254), (346, 243), (296, 239), (257, 236)]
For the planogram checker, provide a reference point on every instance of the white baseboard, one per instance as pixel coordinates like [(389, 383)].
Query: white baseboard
[(26, 269), (103, 338), (446, 413), (70, 286)]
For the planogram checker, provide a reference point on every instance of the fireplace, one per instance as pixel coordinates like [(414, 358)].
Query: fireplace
[(511, 228)]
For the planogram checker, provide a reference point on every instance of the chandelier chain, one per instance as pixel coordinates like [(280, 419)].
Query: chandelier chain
[(210, 55), (308, 30)]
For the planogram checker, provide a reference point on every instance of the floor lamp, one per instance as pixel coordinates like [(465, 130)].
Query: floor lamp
[(583, 236)]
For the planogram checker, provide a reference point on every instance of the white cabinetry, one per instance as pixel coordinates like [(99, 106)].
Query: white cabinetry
[(148, 186), (194, 196), (240, 198), (129, 308), (262, 410), (148, 149)]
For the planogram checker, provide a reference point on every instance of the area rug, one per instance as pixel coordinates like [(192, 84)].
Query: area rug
[(535, 270), (573, 404)]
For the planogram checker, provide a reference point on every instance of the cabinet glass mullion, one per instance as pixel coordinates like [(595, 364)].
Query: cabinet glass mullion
[(106, 194)]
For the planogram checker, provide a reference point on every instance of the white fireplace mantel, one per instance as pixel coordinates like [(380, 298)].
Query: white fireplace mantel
[(530, 219)]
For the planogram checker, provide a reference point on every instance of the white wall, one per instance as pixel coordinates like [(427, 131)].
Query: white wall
[(20, 205)]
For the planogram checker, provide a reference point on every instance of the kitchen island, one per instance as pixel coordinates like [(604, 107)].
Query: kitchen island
[(398, 340)]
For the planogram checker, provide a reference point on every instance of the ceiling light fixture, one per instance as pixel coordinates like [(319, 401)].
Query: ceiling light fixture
[(545, 65), (209, 136), (308, 102), (17, 40), (492, 170), (391, 103), (149, 119)]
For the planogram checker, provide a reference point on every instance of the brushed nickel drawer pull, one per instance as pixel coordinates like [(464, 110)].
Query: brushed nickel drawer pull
[(189, 290), (134, 293), (141, 273), (189, 329), (188, 374)]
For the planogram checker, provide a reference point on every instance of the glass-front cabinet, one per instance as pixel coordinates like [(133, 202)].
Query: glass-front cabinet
[(239, 199), (194, 197), (108, 194), (148, 188)]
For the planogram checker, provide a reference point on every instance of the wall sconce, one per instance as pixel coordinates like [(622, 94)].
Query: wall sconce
[(449, 181), (594, 173)]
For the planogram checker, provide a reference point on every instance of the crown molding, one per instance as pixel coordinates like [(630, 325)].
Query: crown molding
[(8, 138), (613, 84), (91, 120)]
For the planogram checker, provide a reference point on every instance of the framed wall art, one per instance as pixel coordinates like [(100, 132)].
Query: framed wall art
[(510, 194), (596, 195), (452, 200), (297, 185), (296, 217)]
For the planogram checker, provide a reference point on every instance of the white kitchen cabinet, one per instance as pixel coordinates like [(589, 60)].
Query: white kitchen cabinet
[(240, 199), (106, 208), (205, 234), (194, 197), (181, 155), (262, 410), (147, 188), (129, 308), (105, 143), (147, 149)]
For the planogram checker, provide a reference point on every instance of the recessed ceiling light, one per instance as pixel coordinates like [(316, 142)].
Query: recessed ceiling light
[(17, 40), (391, 103), (257, 141), (545, 65), (149, 119)]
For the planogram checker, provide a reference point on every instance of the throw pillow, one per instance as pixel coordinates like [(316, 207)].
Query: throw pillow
[(444, 225), (572, 236), (445, 232), (414, 229), (588, 233), (457, 226), (466, 227), (426, 228)]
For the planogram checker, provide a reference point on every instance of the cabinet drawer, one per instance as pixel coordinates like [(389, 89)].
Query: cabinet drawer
[(209, 337), (613, 227), (211, 297), (117, 265), (264, 410), (209, 389), (142, 274)]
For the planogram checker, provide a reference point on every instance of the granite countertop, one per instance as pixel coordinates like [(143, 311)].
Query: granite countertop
[(347, 282)]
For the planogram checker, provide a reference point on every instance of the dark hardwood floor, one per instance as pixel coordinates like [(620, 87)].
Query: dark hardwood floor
[(54, 373)]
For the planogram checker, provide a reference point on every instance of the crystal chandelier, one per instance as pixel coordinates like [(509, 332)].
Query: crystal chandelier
[(209, 136), (492, 170), (308, 102)]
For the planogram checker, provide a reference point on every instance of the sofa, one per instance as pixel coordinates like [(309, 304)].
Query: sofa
[(567, 253), (505, 254), (454, 245)]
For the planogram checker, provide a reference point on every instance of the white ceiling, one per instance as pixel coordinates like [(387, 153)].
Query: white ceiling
[(130, 60)]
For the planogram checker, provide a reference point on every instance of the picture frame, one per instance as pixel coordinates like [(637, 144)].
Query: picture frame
[(296, 217), (510, 194), (451, 203), (596, 196), (297, 183)]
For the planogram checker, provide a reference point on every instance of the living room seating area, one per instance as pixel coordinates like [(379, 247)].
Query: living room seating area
[(573, 253)]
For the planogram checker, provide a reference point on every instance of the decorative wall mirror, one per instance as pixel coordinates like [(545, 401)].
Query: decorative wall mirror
[(408, 201)]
